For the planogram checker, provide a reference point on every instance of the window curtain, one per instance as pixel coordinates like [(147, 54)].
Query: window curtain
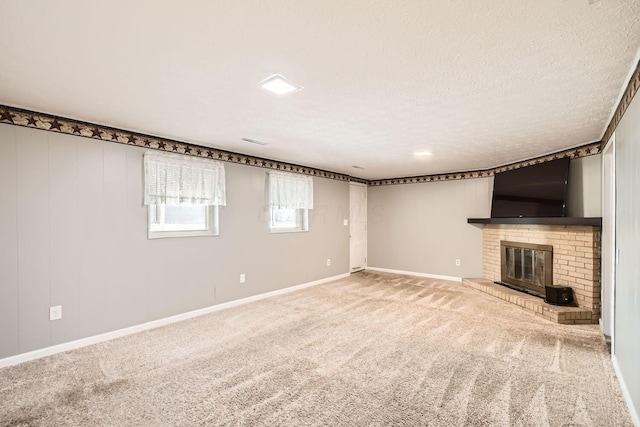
[(176, 179), (290, 191)]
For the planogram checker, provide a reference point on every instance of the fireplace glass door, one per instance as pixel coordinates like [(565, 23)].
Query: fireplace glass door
[(527, 265)]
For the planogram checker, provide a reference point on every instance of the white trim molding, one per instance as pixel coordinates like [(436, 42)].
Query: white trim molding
[(83, 342), (635, 416), (413, 273)]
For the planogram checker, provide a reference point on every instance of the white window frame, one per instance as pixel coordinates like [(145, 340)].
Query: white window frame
[(211, 224), (289, 192), (302, 222)]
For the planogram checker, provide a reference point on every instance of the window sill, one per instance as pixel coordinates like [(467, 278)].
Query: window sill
[(287, 230), (169, 234)]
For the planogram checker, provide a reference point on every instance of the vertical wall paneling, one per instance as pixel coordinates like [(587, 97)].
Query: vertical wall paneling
[(32, 155), (247, 246), (627, 282), (114, 223), (136, 267), (330, 208), (91, 230), (240, 220), (8, 243), (74, 233), (180, 272), (64, 245)]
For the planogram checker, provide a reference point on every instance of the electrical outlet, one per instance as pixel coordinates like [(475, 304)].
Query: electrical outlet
[(328, 261), (457, 263), (242, 278), (346, 222), (55, 313)]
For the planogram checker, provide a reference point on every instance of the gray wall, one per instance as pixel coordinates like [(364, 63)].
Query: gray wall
[(585, 187), (627, 287), (423, 227), (73, 233)]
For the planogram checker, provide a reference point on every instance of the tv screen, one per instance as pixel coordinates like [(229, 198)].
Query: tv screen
[(532, 191)]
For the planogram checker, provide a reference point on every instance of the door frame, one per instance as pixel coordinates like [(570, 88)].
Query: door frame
[(608, 285), (364, 266)]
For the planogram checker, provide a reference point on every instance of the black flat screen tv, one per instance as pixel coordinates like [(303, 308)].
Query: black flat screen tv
[(538, 190)]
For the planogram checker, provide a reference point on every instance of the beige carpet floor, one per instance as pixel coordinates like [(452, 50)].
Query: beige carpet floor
[(372, 349)]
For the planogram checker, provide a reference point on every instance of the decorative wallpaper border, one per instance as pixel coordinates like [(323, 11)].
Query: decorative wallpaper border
[(627, 97), (359, 180), (20, 117), (574, 153), (431, 178)]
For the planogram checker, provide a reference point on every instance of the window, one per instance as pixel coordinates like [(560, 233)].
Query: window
[(287, 220), (290, 198), (182, 194), (182, 220)]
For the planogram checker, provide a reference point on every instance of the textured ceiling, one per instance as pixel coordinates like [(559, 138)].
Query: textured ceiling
[(477, 83)]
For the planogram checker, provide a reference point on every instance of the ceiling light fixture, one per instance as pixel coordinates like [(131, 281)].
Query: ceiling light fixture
[(253, 141), (422, 153), (357, 167), (279, 85)]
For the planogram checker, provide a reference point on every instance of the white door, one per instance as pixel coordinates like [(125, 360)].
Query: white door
[(358, 226), (608, 237)]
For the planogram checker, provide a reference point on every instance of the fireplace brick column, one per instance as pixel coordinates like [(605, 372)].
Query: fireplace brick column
[(576, 256)]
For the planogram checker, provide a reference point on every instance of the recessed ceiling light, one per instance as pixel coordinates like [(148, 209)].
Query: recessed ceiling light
[(253, 141), (279, 85), (422, 153)]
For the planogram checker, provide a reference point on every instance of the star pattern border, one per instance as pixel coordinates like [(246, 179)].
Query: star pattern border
[(630, 91), (20, 117), (47, 122), (574, 153), (31, 119)]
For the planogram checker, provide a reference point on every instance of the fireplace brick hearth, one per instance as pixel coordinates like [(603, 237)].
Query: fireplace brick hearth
[(576, 258)]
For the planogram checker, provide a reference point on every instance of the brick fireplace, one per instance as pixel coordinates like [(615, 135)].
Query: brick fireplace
[(576, 259)]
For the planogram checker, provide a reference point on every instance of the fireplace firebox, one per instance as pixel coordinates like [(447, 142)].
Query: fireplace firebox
[(526, 267)]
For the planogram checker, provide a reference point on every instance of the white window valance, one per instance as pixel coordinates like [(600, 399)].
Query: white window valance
[(290, 191), (176, 179)]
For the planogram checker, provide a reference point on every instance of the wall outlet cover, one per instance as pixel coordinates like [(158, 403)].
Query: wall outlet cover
[(55, 313), (243, 278), (328, 262)]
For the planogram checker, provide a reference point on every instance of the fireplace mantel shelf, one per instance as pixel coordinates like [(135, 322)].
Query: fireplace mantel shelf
[(592, 221)]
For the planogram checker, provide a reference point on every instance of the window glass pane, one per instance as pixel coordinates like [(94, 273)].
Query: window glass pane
[(518, 263), (538, 266), (511, 273), (527, 265), (181, 218), (191, 217), (285, 218)]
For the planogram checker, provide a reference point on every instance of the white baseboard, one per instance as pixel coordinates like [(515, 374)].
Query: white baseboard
[(83, 342), (413, 273), (635, 416)]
